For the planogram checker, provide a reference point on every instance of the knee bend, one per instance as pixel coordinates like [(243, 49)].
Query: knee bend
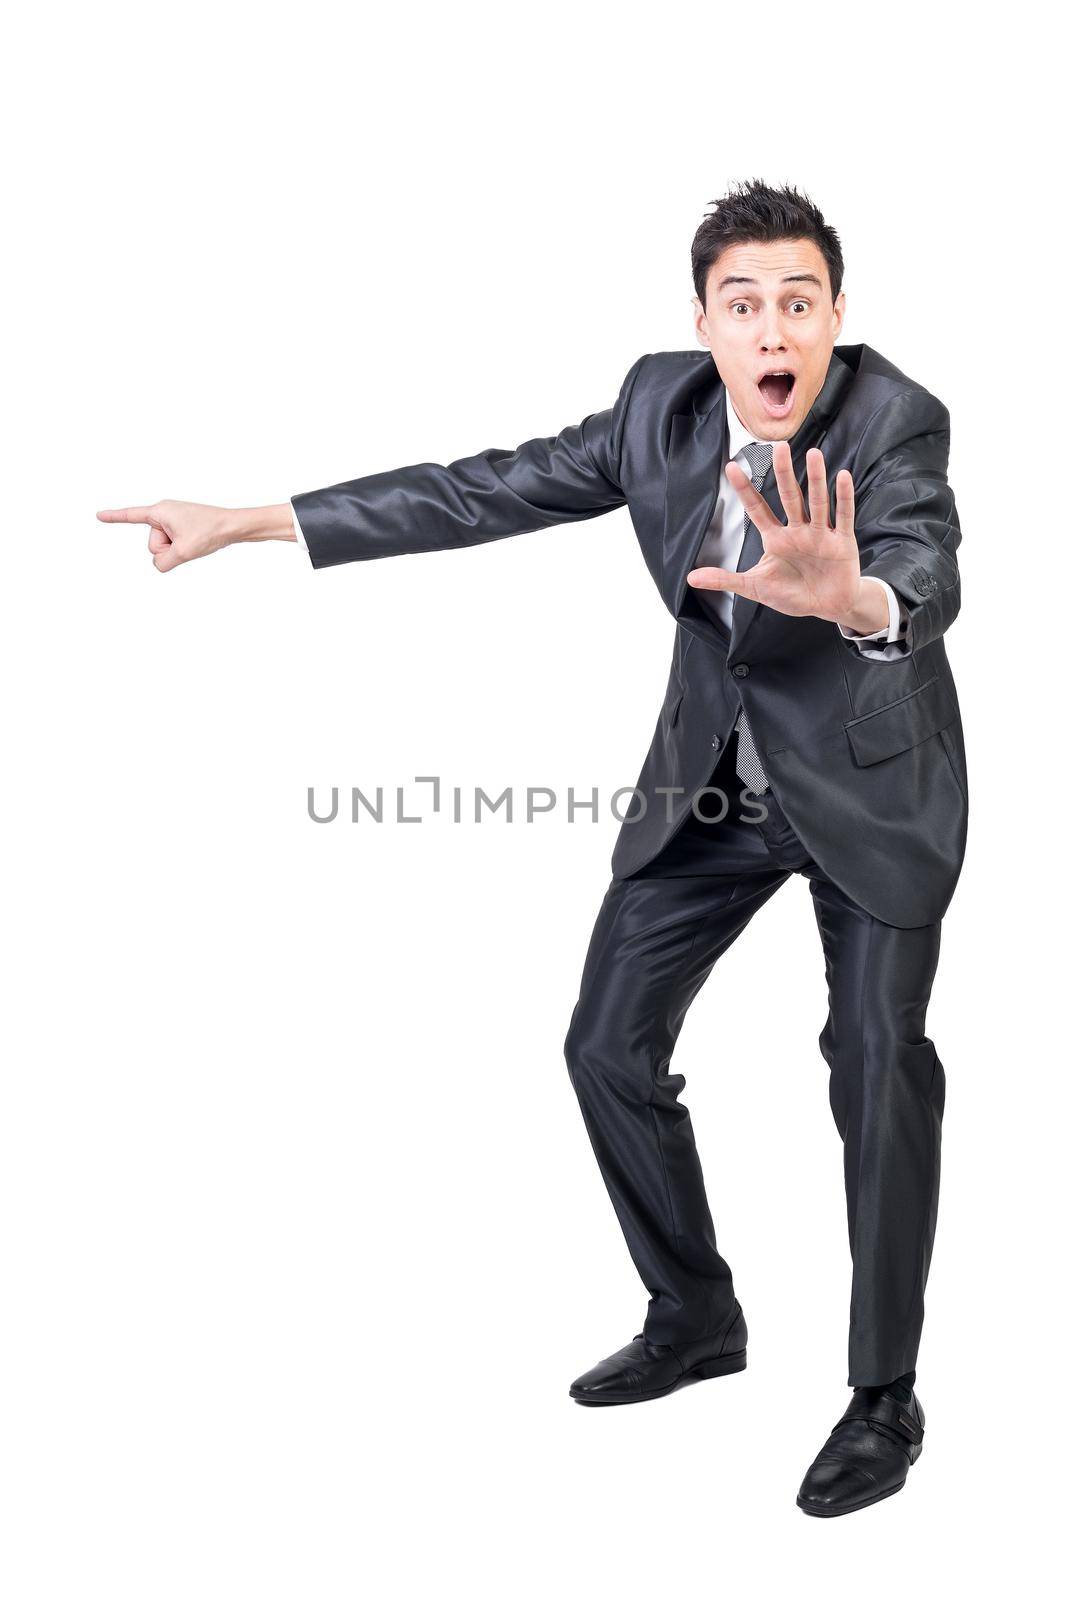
[(877, 1065), (596, 1053), (579, 1051)]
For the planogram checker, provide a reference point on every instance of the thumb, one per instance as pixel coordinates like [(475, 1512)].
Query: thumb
[(719, 578)]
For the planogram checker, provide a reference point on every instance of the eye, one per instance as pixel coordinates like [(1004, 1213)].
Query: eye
[(799, 304), (739, 305)]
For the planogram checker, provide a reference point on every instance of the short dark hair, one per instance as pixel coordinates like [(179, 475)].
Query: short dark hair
[(754, 213)]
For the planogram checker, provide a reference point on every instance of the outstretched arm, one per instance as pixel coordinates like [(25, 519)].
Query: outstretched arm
[(570, 476)]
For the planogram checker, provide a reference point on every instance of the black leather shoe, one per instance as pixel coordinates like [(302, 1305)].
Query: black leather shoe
[(867, 1456), (645, 1371)]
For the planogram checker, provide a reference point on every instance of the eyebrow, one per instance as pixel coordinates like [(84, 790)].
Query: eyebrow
[(794, 277)]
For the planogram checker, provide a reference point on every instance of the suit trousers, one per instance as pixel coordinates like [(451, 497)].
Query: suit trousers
[(657, 937)]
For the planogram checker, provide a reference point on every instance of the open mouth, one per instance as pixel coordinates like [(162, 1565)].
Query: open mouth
[(777, 392)]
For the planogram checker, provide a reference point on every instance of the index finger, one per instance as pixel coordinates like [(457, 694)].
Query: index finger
[(127, 514), (757, 509)]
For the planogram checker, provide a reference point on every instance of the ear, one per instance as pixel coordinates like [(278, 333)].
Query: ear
[(700, 322), (838, 313)]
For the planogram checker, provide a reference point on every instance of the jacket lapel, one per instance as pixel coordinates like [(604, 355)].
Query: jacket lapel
[(695, 462)]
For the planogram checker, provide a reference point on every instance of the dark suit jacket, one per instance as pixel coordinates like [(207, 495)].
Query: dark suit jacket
[(865, 757)]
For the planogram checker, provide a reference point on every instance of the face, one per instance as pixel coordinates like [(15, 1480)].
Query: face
[(770, 324)]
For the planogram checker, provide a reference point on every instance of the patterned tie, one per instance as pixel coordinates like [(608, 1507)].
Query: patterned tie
[(748, 765)]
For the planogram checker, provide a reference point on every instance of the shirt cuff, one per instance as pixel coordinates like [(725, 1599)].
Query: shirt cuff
[(297, 529), (896, 630)]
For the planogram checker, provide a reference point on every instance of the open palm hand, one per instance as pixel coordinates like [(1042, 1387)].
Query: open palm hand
[(809, 568)]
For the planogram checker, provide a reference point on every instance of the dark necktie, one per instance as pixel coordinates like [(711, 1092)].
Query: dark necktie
[(748, 764)]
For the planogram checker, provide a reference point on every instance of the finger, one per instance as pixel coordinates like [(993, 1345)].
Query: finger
[(819, 509), (793, 501), (166, 560), (158, 540), (757, 509), (844, 503), (720, 578), (127, 514)]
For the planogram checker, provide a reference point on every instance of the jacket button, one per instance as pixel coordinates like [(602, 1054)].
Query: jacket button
[(715, 741), (741, 670)]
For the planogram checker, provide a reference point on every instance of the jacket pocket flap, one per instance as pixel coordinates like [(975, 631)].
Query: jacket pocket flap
[(903, 723)]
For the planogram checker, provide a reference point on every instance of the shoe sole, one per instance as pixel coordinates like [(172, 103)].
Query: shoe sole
[(717, 1367), (843, 1511)]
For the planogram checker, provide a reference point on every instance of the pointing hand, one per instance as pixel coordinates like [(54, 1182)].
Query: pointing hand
[(183, 530)]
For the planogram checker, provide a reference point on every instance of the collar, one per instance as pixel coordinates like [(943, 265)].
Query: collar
[(738, 435)]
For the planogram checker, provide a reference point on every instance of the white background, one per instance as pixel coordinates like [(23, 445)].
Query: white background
[(303, 1240)]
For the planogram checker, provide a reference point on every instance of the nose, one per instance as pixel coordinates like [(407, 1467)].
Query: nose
[(771, 334)]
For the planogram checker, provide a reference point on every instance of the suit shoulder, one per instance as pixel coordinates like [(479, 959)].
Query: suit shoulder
[(678, 357), (878, 383), (675, 379), (896, 421), (675, 364)]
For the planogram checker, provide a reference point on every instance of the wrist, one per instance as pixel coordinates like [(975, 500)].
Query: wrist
[(253, 523), (870, 612)]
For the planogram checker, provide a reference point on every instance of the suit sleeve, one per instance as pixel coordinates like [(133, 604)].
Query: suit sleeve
[(906, 521), (570, 476)]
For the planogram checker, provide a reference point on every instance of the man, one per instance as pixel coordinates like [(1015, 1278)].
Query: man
[(810, 725)]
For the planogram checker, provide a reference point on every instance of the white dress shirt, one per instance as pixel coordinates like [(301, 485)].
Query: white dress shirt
[(722, 547)]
